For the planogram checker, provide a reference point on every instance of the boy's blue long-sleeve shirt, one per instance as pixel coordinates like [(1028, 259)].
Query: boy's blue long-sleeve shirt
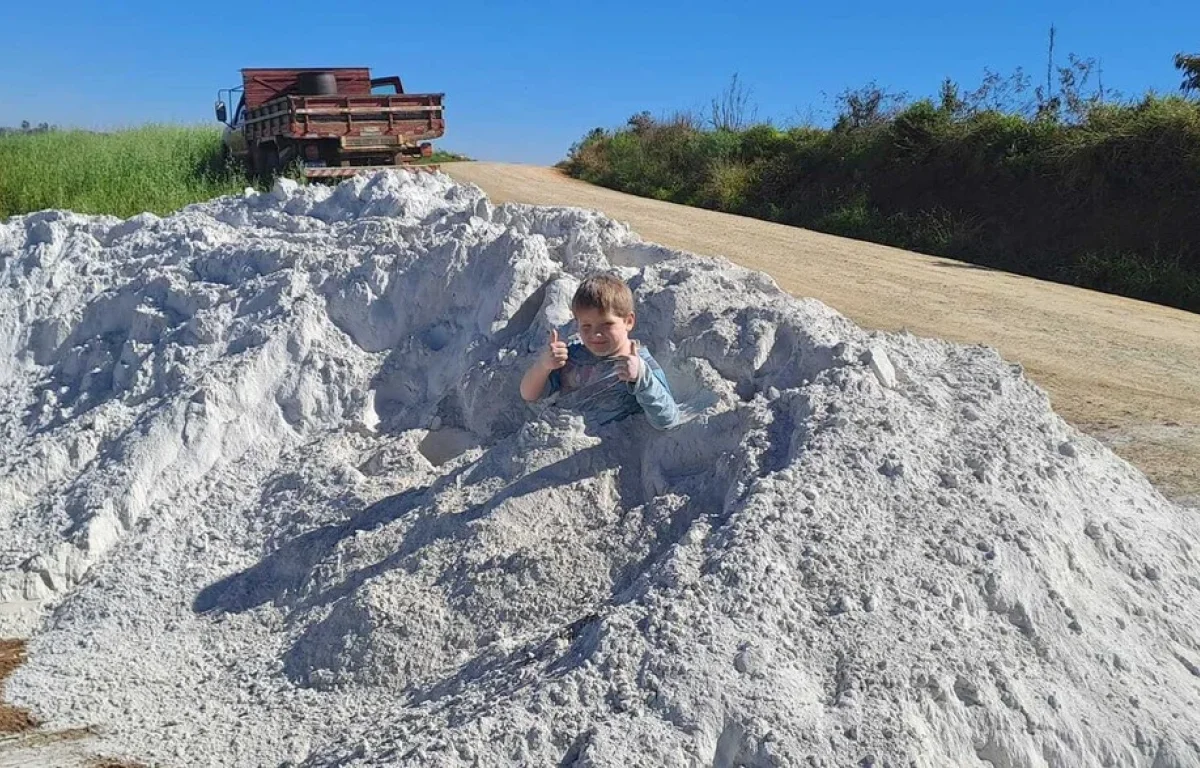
[(589, 384)]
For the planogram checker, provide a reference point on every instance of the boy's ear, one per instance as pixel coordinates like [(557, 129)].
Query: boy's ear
[(629, 320)]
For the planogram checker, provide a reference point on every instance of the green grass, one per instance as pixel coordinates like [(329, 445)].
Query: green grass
[(155, 168), (439, 157)]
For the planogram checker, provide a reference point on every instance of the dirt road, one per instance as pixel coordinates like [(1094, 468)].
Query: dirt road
[(1125, 371)]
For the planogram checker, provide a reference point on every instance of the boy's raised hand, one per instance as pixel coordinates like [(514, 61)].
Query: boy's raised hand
[(629, 367), (555, 356)]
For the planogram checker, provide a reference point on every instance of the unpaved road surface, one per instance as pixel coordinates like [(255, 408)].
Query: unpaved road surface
[(1125, 371)]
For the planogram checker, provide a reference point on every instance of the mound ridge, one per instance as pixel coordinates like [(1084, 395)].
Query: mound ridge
[(270, 496)]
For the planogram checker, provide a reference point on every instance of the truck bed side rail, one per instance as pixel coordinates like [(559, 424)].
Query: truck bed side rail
[(414, 116)]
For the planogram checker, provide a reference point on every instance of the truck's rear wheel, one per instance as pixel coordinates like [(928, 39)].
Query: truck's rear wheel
[(266, 165)]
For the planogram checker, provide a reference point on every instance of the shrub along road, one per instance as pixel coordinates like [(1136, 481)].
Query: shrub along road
[(1125, 371)]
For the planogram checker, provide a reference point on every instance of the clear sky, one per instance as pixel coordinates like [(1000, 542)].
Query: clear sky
[(524, 81)]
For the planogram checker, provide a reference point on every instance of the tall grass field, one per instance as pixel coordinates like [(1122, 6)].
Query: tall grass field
[(156, 168)]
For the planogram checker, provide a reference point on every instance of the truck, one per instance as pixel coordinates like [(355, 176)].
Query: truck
[(332, 122)]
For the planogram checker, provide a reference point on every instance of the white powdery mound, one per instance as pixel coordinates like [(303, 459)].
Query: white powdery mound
[(270, 497)]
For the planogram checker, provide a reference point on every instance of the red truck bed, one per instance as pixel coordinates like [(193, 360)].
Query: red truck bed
[(415, 116)]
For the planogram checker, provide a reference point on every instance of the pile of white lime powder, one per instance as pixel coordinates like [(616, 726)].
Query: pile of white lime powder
[(269, 496)]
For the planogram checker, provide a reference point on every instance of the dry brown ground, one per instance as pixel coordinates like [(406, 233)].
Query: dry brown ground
[(12, 719), (23, 745)]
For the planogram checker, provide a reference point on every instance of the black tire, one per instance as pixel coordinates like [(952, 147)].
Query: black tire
[(287, 155), (316, 84), (267, 164)]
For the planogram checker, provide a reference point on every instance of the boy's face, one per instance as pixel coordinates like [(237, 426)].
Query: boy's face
[(603, 333)]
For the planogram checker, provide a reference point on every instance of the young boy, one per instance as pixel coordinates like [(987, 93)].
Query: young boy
[(608, 376)]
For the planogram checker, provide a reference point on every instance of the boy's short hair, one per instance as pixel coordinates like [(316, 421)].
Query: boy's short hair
[(604, 292)]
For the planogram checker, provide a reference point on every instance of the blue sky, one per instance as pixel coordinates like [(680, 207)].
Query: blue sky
[(523, 81)]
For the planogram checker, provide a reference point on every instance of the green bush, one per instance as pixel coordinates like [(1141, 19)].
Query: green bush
[(727, 184), (1105, 199)]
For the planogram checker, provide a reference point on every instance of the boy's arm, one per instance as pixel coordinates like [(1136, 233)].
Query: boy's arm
[(533, 383), (553, 357), (655, 396)]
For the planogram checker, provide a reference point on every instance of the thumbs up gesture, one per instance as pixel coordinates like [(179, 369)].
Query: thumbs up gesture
[(629, 367), (555, 354)]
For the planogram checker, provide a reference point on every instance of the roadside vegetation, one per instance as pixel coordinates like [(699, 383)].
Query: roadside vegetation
[(155, 168), (1063, 180), (440, 156)]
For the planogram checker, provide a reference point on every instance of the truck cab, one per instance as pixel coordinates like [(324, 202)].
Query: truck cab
[(233, 138)]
